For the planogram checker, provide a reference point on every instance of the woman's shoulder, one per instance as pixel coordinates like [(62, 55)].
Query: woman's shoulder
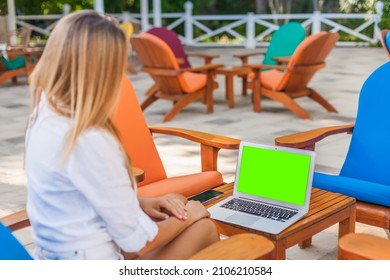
[(98, 138)]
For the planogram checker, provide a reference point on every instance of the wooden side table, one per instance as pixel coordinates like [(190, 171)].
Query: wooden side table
[(326, 209), (229, 72)]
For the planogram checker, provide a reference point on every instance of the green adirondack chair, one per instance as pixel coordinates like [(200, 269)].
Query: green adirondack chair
[(283, 43)]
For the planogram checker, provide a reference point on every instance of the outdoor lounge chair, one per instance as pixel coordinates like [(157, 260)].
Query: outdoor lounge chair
[(137, 140), (239, 247), (10, 69), (283, 43), (181, 86), (385, 40), (173, 41), (286, 83), (359, 246), (365, 172)]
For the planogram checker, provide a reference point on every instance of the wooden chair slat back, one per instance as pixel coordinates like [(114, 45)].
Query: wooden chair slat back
[(155, 53), (311, 52)]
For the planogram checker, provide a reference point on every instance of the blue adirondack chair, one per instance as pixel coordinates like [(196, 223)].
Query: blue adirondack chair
[(364, 174), (385, 40)]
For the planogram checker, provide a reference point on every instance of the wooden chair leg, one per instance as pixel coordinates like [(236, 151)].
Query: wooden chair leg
[(288, 102), (182, 103), (244, 86), (148, 101), (15, 79), (151, 90), (318, 98)]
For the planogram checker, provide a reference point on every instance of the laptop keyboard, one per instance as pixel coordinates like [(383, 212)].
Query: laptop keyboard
[(259, 209)]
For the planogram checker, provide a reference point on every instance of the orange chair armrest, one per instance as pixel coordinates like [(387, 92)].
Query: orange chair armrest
[(201, 55), (17, 220), (138, 174), (162, 72), (208, 139), (179, 60), (207, 57), (245, 246), (306, 68), (358, 246), (265, 66), (282, 59), (204, 68), (246, 55), (308, 139)]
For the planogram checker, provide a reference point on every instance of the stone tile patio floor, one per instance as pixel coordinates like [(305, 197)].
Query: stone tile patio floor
[(339, 82)]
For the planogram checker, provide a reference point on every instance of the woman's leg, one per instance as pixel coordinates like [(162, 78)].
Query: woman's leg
[(196, 237)]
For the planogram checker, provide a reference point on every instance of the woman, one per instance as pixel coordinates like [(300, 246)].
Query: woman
[(81, 198)]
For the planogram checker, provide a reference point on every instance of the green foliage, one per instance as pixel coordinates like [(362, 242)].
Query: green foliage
[(204, 7)]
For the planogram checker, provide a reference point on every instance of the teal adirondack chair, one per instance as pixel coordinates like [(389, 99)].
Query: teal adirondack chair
[(11, 68), (283, 43)]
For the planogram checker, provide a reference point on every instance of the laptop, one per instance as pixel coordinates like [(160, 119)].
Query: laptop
[(272, 188)]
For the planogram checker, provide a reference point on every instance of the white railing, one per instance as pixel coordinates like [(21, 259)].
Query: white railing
[(257, 26)]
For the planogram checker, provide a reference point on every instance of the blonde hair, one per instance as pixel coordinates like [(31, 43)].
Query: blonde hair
[(81, 70)]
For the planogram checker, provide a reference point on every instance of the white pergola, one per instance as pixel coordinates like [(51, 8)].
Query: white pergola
[(99, 7)]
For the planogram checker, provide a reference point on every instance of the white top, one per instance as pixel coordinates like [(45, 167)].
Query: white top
[(85, 201)]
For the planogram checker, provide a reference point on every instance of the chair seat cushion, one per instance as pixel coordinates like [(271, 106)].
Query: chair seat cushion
[(186, 185), (359, 189), (13, 64), (11, 249), (269, 79), (192, 82)]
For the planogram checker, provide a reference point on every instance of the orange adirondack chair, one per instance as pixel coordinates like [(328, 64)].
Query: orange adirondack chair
[(172, 39), (181, 86), (244, 246), (285, 86), (360, 246), (136, 137)]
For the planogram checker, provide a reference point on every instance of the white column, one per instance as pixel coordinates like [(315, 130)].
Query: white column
[(316, 25), (66, 9), (157, 13), (144, 15), (98, 6), (250, 42), (11, 22), (188, 29)]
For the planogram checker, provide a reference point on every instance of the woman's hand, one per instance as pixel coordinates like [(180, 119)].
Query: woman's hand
[(163, 207), (196, 211)]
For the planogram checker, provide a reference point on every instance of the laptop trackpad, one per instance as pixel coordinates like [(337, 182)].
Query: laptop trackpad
[(241, 219)]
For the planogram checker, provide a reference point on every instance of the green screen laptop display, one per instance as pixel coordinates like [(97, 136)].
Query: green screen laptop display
[(274, 174)]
